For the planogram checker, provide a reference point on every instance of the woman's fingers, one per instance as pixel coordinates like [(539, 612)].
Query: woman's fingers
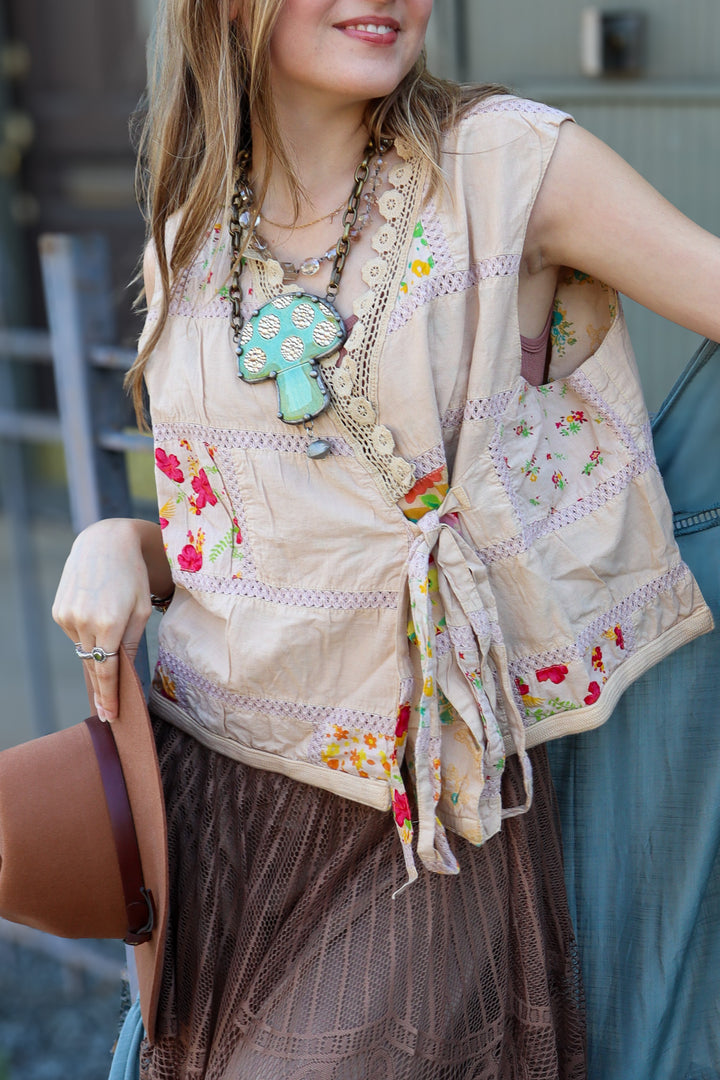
[(103, 601), (102, 663)]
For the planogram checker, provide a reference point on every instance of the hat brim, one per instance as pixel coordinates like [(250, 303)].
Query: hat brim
[(59, 865), (136, 748)]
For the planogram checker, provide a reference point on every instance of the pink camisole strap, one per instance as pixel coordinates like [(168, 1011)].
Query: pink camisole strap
[(536, 355)]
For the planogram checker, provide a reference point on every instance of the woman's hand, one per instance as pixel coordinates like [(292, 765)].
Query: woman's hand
[(103, 598)]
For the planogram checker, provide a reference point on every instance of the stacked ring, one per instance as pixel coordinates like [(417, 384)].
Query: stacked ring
[(96, 653)]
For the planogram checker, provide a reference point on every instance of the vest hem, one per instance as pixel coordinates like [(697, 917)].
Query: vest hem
[(369, 792), (592, 716)]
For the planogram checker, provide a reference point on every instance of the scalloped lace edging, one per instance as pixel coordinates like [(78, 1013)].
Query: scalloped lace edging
[(353, 384)]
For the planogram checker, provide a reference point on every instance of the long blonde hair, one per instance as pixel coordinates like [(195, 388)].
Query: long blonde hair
[(208, 74)]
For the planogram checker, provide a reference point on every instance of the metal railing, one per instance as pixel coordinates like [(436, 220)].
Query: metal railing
[(94, 424)]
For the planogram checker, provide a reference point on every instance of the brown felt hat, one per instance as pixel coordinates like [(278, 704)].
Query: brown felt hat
[(71, 805)]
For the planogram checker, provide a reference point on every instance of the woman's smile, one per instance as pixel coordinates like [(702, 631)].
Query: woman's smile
[(348, 50), (373, 30)]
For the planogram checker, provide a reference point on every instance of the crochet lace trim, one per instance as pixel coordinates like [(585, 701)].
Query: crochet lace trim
[(522, 106), (452, 281), (234, 439), (185, 677), (429, 461), (290, 597), (353, 385), (618, 614)]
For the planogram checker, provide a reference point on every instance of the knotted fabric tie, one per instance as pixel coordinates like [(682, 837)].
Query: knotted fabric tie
[(465, 675)]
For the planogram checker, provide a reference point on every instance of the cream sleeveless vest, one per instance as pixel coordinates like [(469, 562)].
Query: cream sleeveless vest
[(523, 532)]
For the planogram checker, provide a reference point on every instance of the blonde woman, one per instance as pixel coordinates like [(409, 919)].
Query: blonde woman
[(402, 545)]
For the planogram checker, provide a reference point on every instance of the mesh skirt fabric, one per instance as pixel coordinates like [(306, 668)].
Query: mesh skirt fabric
[(288, 959)]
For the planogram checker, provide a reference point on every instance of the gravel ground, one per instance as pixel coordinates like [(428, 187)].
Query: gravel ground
[(58, 1021)]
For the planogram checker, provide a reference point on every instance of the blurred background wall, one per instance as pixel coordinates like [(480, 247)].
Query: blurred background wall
[(72, 73)]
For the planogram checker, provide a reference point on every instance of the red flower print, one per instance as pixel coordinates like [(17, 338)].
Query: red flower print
[(169, 464), (556, 674), (401, 807), (619, 639), (595, 454), (205, 494), (593, 693), (402, 721), (238, 537), (597, 659), (164, 523), (523, 688), (190, 559)]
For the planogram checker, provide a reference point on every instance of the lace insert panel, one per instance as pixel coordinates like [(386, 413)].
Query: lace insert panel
[(353, 384)]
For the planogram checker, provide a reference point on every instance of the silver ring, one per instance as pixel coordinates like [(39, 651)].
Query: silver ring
[(96, 653)]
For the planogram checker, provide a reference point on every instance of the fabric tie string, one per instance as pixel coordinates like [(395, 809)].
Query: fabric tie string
[(465, 676)]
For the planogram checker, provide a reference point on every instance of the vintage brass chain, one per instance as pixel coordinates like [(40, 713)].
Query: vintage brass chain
[(243, 217)]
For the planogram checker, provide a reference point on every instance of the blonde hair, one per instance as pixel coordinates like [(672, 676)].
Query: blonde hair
[(208, 74)]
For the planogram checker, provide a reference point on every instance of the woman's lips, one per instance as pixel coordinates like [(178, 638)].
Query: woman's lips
[(373, 33)]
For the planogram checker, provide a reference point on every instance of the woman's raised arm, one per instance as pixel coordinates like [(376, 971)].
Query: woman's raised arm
[(596, 214)]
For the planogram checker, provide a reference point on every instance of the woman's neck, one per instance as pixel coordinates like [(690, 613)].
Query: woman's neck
[(324, 151)]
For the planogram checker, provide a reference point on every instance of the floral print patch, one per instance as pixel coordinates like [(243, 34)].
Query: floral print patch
[(420, 261), (559, 687), (553, 449), (203, 535)]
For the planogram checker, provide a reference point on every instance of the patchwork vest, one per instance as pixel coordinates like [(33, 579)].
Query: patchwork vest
[(478, 566)]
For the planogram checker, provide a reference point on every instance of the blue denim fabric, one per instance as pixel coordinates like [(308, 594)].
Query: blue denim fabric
[(126, 1059), (640, 804)]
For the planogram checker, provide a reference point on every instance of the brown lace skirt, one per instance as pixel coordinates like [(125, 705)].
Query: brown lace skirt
[(288, 959)]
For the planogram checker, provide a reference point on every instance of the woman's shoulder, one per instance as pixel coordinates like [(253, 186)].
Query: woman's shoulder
[(493, 119)]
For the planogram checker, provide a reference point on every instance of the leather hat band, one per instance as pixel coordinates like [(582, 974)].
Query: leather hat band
[(138, 900)]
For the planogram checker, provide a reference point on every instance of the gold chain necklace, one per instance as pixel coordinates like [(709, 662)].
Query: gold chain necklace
[(308, 224), (311, 265), (288, 335)]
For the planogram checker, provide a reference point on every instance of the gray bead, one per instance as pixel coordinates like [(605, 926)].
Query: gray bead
[(318, 448)]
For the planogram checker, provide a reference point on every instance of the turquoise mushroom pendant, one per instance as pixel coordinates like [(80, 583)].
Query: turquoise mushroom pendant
[(283, 340)]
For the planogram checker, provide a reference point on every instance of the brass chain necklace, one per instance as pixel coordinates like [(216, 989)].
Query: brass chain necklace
[(287, 336)]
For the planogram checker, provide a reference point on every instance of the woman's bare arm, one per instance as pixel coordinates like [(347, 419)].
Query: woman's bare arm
[(596, 214)]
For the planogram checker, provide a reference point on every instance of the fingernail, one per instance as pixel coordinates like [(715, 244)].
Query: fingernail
[(102, 713)]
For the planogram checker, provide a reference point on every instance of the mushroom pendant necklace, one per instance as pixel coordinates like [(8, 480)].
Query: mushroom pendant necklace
[(287, 336)]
